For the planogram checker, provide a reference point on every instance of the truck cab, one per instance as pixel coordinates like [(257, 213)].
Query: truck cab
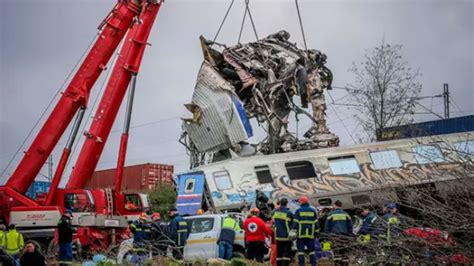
[(131, 205)]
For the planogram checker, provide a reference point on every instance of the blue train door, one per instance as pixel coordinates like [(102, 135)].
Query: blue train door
[(190, 193)]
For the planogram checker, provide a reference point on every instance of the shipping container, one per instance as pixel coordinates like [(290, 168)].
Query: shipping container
[(136, 178), (38, 187), (429, 128)]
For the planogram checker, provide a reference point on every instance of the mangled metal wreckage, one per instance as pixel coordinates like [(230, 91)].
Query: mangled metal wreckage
[(256, 80)]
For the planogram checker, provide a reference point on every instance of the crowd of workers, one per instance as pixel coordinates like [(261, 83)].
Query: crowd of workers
[(306, 227), (310, 230), (160, 235)]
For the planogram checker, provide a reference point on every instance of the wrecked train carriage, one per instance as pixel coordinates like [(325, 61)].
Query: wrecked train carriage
[(356, 175), (259, 81)]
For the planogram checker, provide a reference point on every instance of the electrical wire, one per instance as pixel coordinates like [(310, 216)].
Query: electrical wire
[(49, 104), (223, 21)]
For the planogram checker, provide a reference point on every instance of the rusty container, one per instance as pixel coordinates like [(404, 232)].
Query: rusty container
[(136, 178)]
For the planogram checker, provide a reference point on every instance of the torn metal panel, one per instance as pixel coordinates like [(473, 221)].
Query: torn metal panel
[(264, 76), (221, 124)]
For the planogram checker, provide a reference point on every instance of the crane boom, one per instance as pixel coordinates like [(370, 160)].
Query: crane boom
[(112, 30), (126, 66)]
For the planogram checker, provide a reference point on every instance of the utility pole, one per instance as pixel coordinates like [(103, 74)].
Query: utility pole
[(446, 100)]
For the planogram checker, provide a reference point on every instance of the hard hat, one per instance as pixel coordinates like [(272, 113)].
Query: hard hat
[(391, 206), (255, 211), (143, 216), (155, 216), (200, 211), (303, 199)]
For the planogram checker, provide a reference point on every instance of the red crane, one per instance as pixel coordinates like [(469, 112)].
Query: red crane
[(136, 18), (112, 30)]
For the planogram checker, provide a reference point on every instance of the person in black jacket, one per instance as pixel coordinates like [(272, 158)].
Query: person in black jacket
[(65, 232), (31, 256), (159, 234)]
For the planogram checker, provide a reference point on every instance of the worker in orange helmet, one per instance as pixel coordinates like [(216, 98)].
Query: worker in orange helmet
[(256, 232), (159, 236), (200, 212), (141, 230), (304, 225)]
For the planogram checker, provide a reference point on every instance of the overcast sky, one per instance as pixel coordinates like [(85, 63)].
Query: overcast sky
[(41, 41)]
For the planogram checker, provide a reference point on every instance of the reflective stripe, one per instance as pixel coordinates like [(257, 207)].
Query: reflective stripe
[(339, 217), (312, 253), (280, 215), (183, 223), (289, 259), (300, 253), (307, 214), (281, 238)]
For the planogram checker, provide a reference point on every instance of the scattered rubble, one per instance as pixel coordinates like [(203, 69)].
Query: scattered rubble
[(257, 80)]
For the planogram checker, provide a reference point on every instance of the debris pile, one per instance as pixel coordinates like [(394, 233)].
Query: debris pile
[(257, 80)]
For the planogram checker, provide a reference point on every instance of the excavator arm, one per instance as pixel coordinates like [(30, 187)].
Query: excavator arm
[(76, 95)]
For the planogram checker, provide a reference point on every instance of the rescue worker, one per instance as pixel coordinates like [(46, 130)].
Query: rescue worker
[(227, 237), (14, 242), (141, 230), (283, 220), (159, 233), (392, 220), (2, 236), (304, 224), (255, 233), (338, 221), (179, 232), (65, 232), (369, 225)]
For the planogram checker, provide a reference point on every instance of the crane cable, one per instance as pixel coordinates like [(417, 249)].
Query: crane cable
[(49, 104), (301, 24), (223, 21), (247, 10)]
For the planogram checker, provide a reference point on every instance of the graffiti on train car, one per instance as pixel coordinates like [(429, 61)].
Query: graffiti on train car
[(325, 181)]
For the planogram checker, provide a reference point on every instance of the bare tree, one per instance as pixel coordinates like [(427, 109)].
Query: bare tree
[(385, 89)]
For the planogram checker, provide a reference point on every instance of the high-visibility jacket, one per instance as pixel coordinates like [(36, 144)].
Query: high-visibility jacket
[(229, 227), (304, 221), (179, 230), (282, 220), (3, 239), (14, 242), (338, 222)]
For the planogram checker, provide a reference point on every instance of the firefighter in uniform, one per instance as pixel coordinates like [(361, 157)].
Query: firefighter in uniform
[(304, 223), (179, 232), (369, 225), (282, 220), (141, 230)]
